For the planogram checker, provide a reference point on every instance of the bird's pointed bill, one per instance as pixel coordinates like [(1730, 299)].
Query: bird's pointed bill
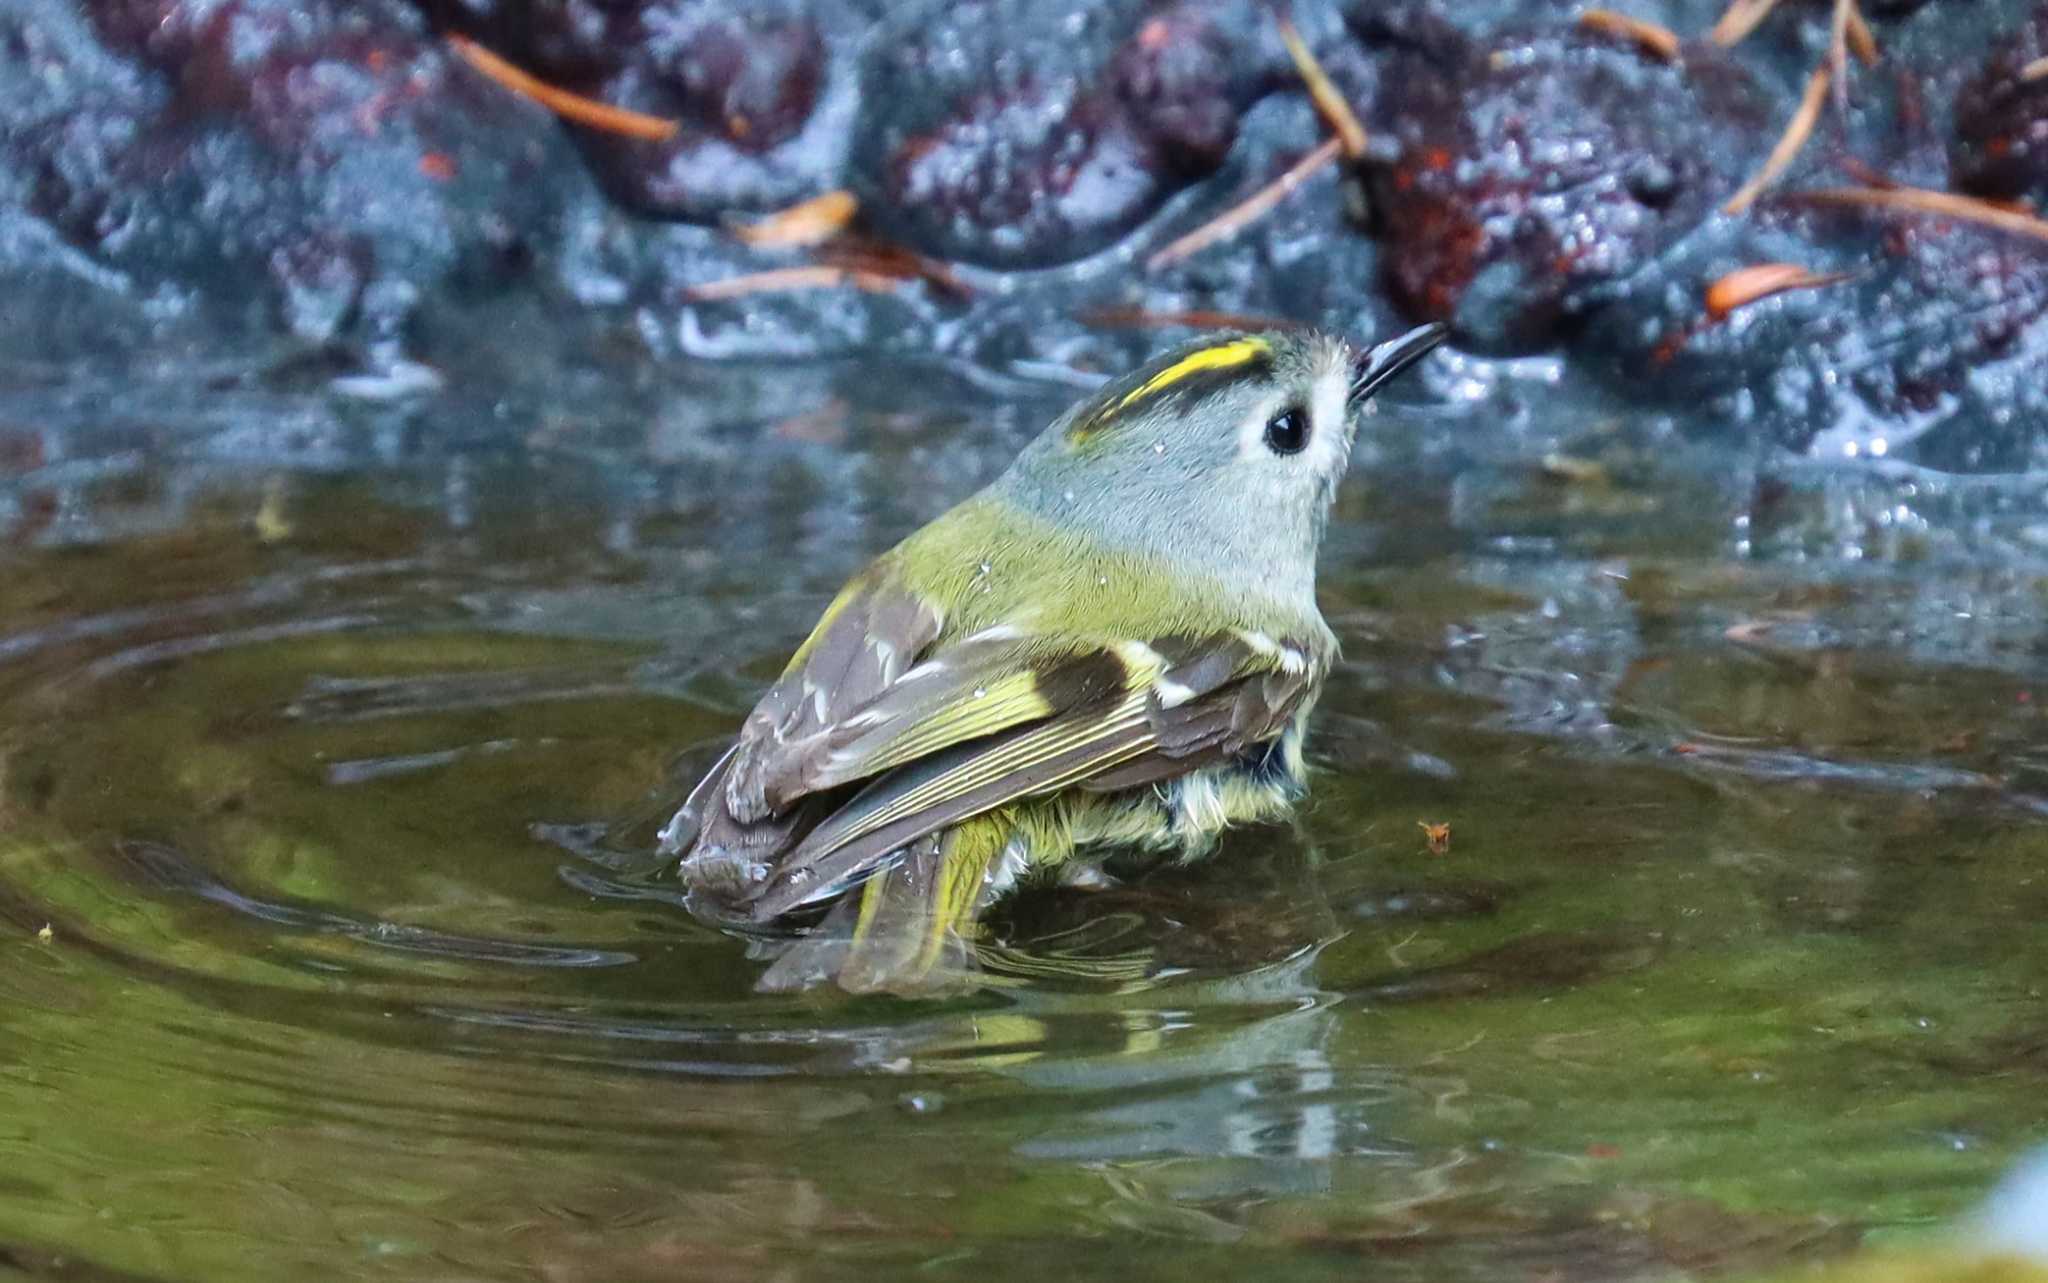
[(1383, 361)]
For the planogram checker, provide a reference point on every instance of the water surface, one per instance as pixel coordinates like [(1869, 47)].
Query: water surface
[(332, 944)]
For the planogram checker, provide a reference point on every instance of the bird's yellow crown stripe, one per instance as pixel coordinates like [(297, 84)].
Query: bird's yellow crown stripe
[(1217, 356), (1221, 356)]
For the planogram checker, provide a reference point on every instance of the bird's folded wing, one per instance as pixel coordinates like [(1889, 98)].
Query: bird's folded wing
[(863, 694), (870, 634), (1166, 706)]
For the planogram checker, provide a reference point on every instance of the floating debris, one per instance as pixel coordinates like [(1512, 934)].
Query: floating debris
[(1248, 211), (1572, 470), (569, 106), (1663, 42), (2035, 70), (1788, 145), (396, 380), (272, 523)]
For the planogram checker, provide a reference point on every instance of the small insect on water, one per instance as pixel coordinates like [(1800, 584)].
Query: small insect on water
[(1116, 644)]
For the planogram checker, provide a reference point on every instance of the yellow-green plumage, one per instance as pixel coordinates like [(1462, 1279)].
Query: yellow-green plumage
[(1115, 645), (985, 564)]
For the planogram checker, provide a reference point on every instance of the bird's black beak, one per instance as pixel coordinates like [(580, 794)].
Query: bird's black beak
[(1383, 361)]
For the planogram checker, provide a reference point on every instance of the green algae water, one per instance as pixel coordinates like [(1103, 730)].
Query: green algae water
[(333, 944)]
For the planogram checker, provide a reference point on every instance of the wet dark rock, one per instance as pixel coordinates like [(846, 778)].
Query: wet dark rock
[(2001, 133), (1539, 168), (320, 283), (325, 163), (227, 176), (1186, 75), (1008, 139), (566, 42), (765, 107), (1929, 351)]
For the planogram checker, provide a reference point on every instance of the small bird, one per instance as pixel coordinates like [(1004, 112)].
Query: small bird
[(1115, 644)]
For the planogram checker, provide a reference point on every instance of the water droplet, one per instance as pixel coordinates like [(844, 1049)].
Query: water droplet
[(980, 691)]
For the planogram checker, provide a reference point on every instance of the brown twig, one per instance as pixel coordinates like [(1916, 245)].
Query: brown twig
[(785, 280), (2035, 70), (1860, 38), (1866, 174), (811, 222), (1746, 285), (1788, 145), (1322, 91), (1919, 200), (584, 111), (865, 256), (1844, 19), (1660, 41), (1738, 20), (1235, 219)]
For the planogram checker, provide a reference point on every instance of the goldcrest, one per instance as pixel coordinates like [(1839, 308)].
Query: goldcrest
[(1115, 644)]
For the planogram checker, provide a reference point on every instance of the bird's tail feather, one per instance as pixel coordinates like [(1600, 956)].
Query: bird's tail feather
[(908, 929)]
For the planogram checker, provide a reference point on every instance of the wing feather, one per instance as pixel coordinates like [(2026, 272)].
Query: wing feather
[(869, 634), (935, 733), (1139, 739), (816, 870)]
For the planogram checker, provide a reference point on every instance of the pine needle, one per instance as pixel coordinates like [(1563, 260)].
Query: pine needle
[(1860, 38), (880, 261), (584, 111), (1838, 49), (1746, 285), (1918, 200), (787, 280), (811, 222), (1239, 216), (1788, 145), (1738, 20), (1660, 41), (1322, 91)]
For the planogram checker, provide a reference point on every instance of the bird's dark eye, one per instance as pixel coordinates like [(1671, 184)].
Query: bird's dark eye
[(1287, 431)]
